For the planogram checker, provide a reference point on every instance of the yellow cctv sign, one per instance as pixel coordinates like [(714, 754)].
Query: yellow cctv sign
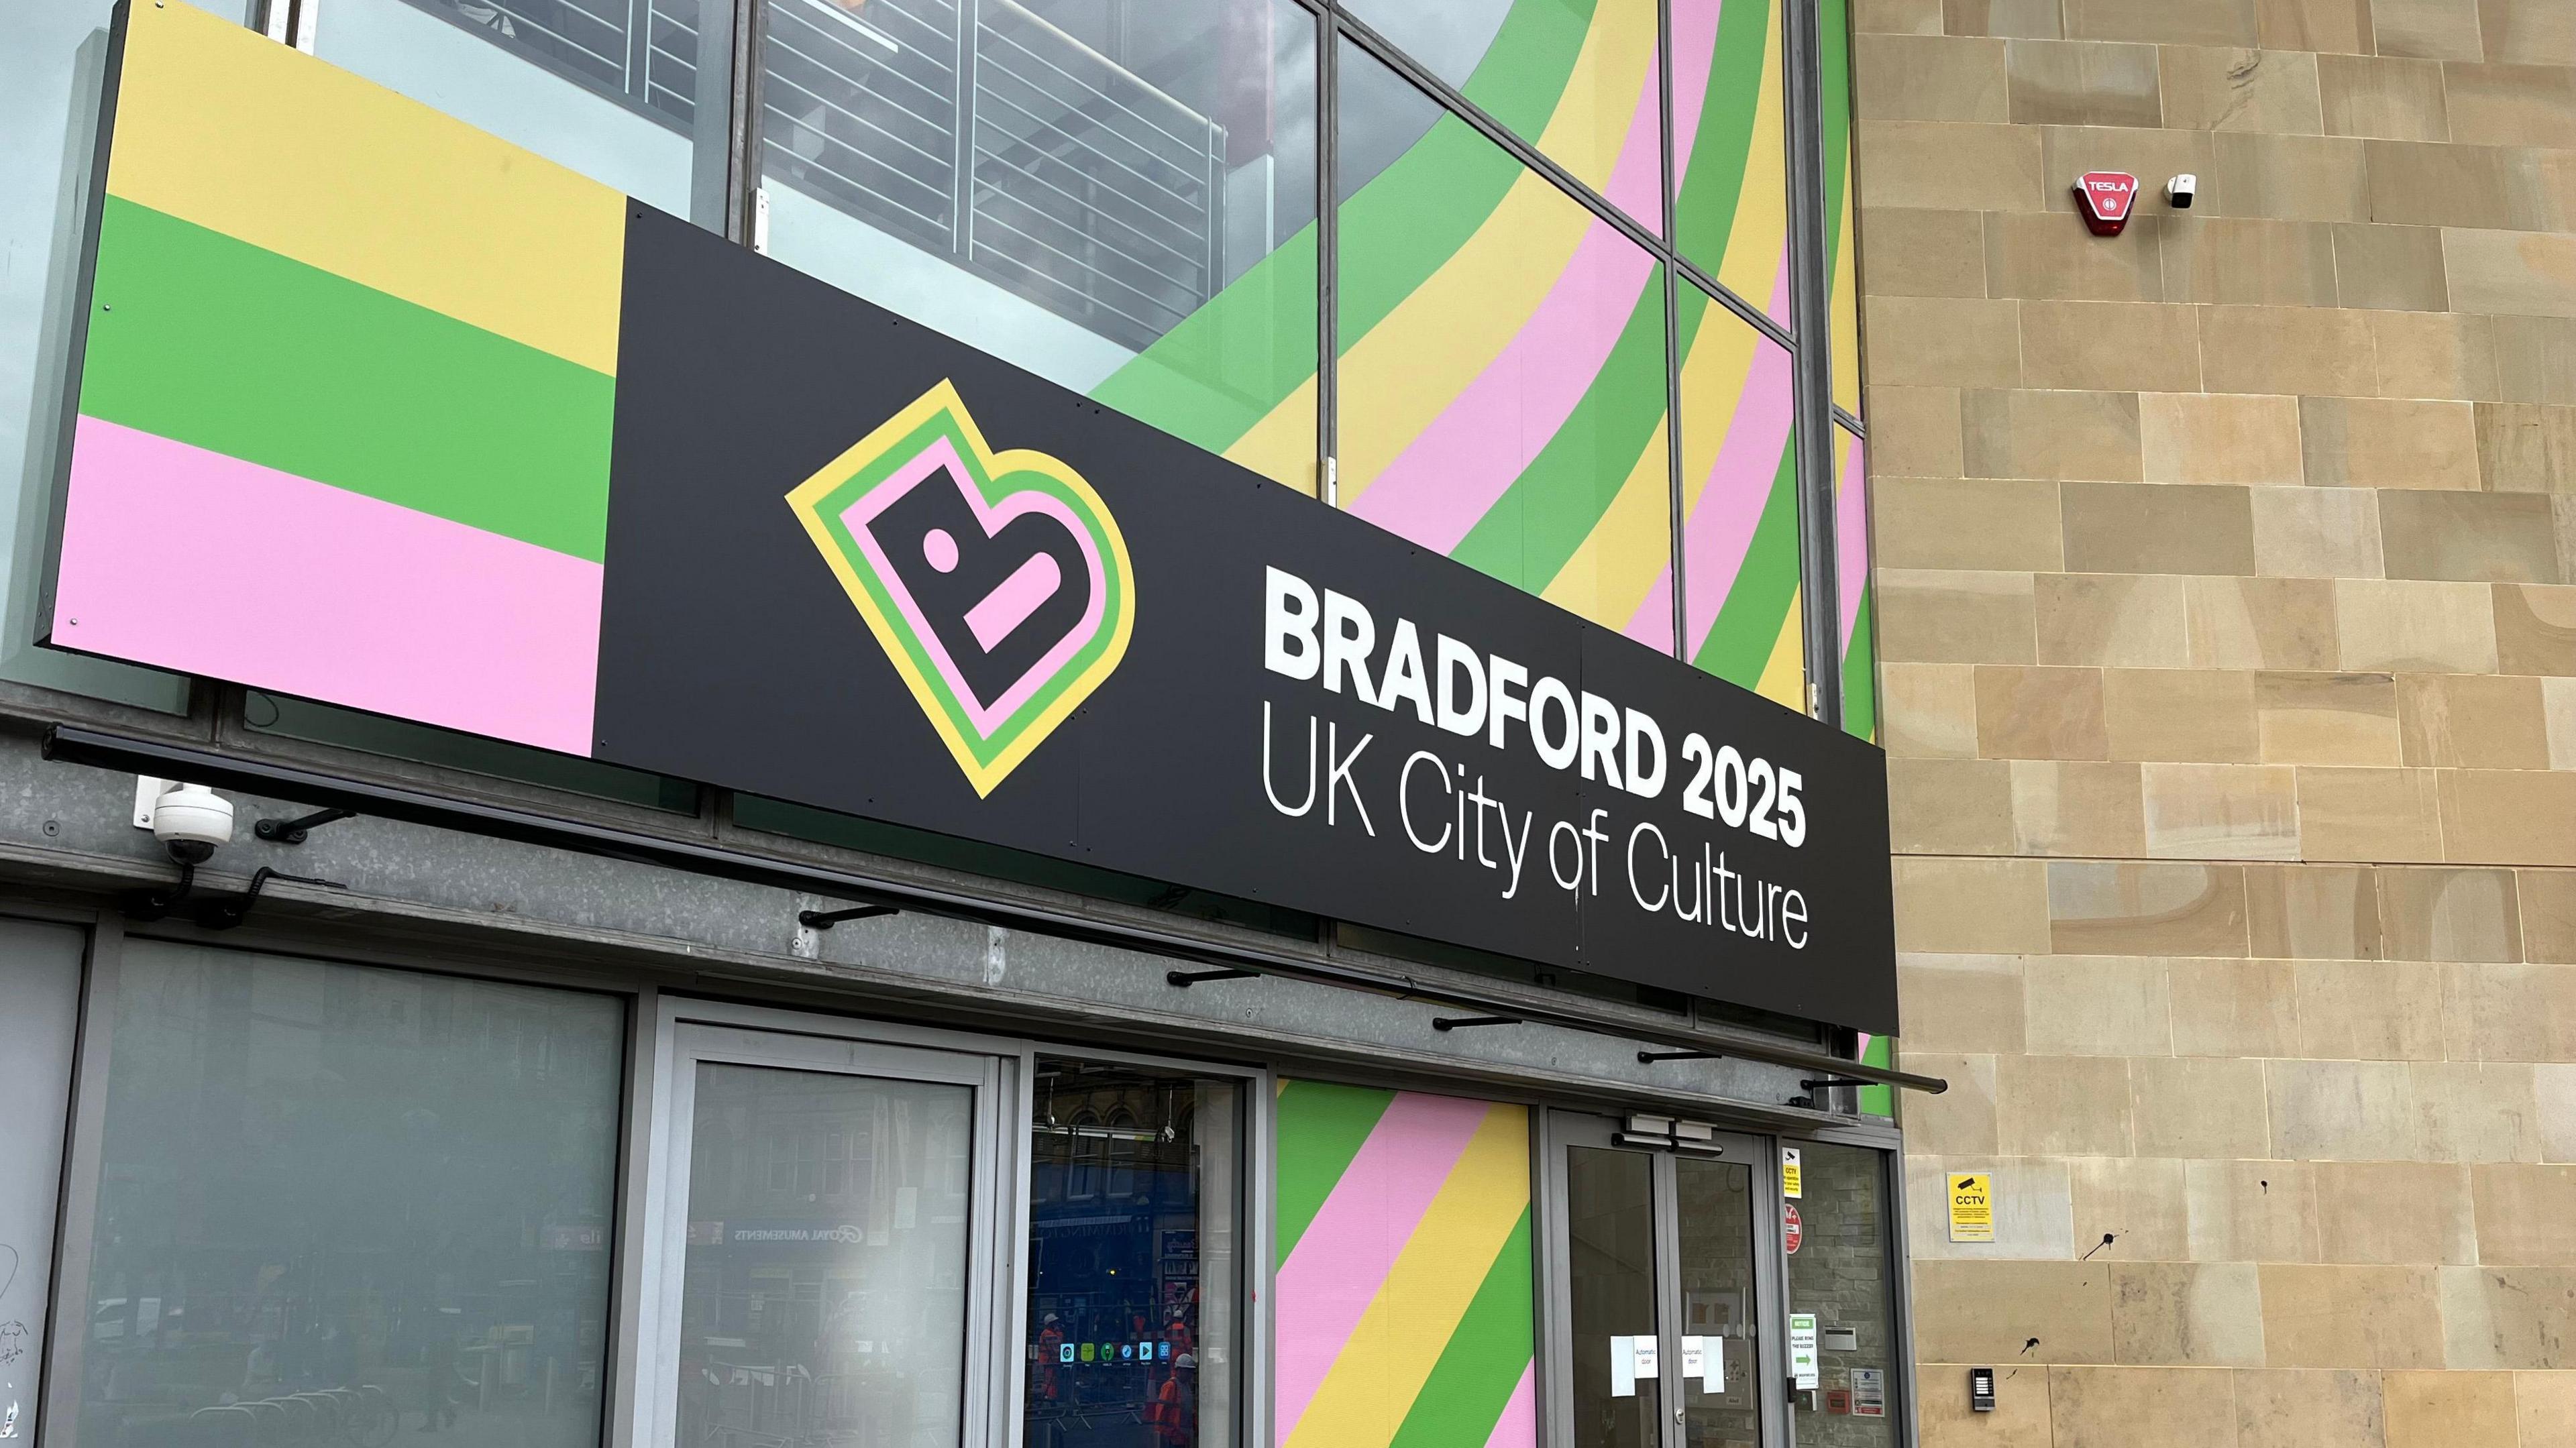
[(1972, 1206)]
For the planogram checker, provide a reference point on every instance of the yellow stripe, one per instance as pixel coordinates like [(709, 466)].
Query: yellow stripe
[(1784, 678), (220, 126), (1281, 446), (1844, 315), (1610, 575), (1396, 380), (1381, 1369), (1602, 89), (1713, 377), (1411, 365), (1752, 264)]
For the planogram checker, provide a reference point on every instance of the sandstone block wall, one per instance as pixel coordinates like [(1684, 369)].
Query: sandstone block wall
[(2228, 581)]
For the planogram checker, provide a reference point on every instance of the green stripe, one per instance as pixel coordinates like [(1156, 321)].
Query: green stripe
[(1860, 673), (1690, 304), (1228, 364), (1473, 1381), (1547, 512), (1878, 1100), (1833, 34), (1704, 209), (1522, 74), (1321, 1127), (208, 340), (1413, 217), (1749, 622)]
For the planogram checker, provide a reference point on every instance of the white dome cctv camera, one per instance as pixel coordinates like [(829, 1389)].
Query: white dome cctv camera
[(192, 819)]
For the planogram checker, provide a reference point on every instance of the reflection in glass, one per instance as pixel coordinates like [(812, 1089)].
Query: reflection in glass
[(1718, 1305), (1502, 370), (824, 1296), (340, 1204), (605, 87), (1133, 1212), (1576, 78), (1840, 1274), (1610, 1276), (1097, 190), (40, 990)]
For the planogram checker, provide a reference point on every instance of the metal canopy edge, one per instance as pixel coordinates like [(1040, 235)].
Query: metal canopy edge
[(72, 744)]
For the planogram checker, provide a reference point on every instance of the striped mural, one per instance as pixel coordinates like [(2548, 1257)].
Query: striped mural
[(1402, 1303), (359, 365), (1742, 618), (1833, 43), (1852, 560), (1501, 368), (1730, 193)]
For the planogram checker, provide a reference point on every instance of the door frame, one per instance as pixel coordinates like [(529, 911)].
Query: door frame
[(656, 1184), (1562, 1128)]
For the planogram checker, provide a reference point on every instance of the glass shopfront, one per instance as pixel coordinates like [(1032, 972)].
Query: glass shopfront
[(324, 1202)]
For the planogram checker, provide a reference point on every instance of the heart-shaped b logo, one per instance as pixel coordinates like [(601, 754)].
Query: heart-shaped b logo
[(996, 582)]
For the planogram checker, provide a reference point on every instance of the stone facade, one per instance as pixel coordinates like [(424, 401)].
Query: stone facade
[(2228, 572)]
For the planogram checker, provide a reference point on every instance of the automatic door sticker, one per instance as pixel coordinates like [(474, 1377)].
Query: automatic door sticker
[(997, 583)]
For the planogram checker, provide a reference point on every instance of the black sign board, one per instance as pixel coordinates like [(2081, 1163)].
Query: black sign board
[(857, 564)]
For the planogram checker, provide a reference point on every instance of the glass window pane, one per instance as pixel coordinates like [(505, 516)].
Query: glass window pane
[(1502, 366), (1575, 78), (1740, 587), (1833, 39), (340, 1203), (815, 1315), (1133, 1276), (1119, 198), (605, 87), (1840, 1274), (40, 982), (1610, 1277), (1718, 1304), (1857, 624), (1730, 187)]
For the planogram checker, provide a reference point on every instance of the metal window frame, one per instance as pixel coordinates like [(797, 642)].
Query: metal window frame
[(654, 1012), (1562, 1127)]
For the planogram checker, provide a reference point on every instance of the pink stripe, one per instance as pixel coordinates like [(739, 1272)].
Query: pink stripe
[(1652, 624), (189, 560), (1451, 474), (1344, 1256), (1637, 177), (1009, 606), (1719, 530), (1694, 51), (1518, 1427), (1851, 538)]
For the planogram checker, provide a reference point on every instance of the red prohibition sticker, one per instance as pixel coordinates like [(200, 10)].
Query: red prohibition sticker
[(2106, 198), (1791, 1231)]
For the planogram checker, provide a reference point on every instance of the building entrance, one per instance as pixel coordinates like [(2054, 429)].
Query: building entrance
[(1663, 1310), (829, 1229)]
